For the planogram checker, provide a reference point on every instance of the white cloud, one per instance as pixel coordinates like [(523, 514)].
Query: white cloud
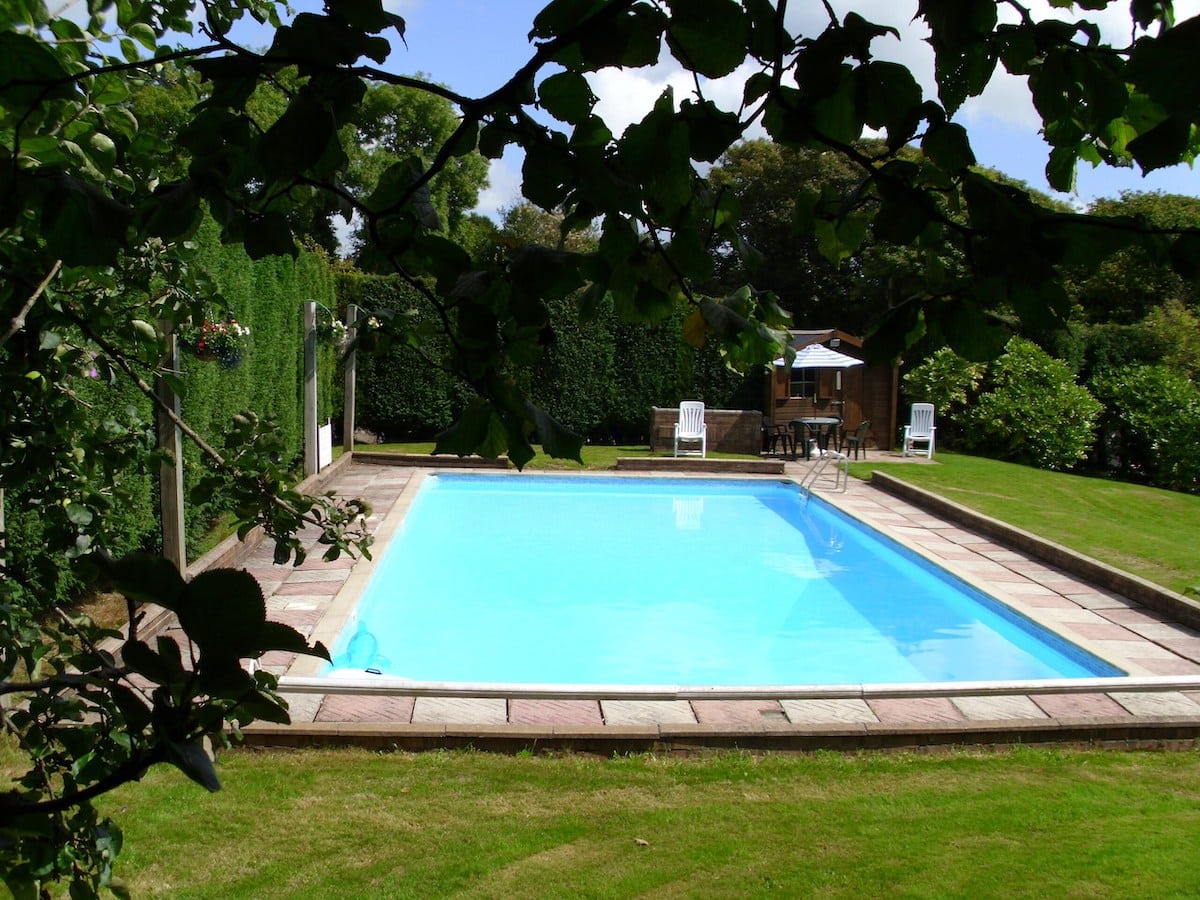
[(504, 185), (626, 95)]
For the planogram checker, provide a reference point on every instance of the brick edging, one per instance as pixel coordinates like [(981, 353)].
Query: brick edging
[(1159, 733)]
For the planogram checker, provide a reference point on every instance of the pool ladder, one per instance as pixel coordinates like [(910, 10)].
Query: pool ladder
[(841, 472)]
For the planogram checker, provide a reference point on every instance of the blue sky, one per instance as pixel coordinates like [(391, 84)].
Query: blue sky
[(473, 46)]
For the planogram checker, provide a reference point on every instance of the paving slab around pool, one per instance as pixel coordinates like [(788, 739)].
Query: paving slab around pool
[(1161, 708)]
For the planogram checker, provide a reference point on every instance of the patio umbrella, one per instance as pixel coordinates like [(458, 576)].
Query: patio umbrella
[(818, 356)]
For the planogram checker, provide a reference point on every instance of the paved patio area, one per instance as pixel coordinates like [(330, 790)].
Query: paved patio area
[(1138, 640)]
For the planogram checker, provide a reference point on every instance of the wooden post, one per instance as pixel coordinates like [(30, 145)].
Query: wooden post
[(350, 377), (310, 388), (170, 473)]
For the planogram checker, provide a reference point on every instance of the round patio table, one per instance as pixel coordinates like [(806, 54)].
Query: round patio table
[(820, 428)]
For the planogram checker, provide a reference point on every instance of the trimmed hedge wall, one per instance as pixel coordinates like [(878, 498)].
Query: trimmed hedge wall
[(598, 378), (267, 296)]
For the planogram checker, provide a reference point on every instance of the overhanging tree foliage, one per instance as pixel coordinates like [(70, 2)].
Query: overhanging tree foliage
[(94, 260)]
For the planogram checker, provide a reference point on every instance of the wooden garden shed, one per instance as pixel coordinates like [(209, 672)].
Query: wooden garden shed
[(869, 392)]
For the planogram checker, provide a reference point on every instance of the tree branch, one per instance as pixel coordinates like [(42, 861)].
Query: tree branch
[(18, 321), (15, 804)]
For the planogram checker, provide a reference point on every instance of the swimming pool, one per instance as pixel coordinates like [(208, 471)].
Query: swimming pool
[(639, 581)]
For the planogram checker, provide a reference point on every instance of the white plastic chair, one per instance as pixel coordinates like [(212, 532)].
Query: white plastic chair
[(690, 428), (919, 430)]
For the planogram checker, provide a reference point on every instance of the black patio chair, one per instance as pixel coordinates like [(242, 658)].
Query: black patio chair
[(777, 434), (856, 438)]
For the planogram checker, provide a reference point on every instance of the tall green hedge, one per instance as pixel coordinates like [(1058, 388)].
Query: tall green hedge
[(598, 378), (267, 296), (400, 394)]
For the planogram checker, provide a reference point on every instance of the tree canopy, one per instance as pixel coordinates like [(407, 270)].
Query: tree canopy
[(97, 208)]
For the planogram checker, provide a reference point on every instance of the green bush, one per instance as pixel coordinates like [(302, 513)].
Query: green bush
[(121, 416), (1024, 406), (1030, 410), (1151, 426), (950, 383), (1109, 346)]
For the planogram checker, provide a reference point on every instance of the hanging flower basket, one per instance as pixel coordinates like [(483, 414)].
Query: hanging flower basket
[(330, 329), (220, 342)]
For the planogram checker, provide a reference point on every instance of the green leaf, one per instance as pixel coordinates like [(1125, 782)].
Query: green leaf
[(948, 148), (24, 58), (146, 579), (175, 211), (836, 116), (560, 15), (261, 706), (1060, 169), (1164, 145), (964, 59), (132, 707), (567, 96), (708, 36), (632, 40), (138, 656), (721, 317), (695, 329), (78, 514), (299, 138), (478, 430), (84, 226), (890, 98), (143, 34), (465, 140), (895, 331), (969, 331), (690, 255), (1167, 68), (546, 175), (269, 235), (369, 15), (711, 130), (195, 761), (1185, 255), (223, 612), (557, 441), (277, 636)]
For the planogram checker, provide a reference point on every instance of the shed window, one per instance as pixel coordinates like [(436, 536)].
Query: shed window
[(803, 383)]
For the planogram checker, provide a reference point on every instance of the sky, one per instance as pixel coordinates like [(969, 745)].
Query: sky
[(474, 46)]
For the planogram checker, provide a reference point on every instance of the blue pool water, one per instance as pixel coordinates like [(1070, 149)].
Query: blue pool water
[(609, 580)]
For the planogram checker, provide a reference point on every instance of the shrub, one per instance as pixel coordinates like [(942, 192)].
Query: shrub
[(1031, 410), (1151, 426), (949, 382)]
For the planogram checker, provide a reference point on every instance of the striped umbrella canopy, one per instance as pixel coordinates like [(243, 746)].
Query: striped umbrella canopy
[(818, 356)]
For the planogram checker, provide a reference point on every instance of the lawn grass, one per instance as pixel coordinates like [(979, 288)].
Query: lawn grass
[(1146, 531), (349, 823)]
